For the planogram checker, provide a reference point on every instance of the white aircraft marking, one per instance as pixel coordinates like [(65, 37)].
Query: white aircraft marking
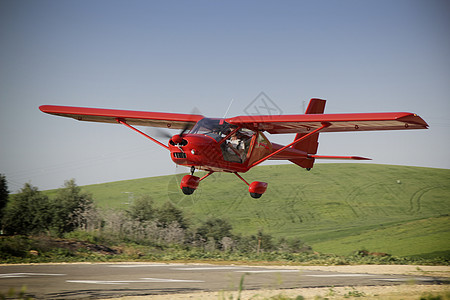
[(19, 275), (340, 275), (142, 280), (406, 279), (206, 268), (142, 266), (270, 271)]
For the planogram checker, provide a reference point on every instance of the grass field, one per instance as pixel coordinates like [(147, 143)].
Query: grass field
[(335, 208)]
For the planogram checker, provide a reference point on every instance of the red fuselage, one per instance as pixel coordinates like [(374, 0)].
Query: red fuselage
[(207, 153)]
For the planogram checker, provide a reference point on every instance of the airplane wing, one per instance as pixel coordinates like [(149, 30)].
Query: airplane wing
[(339, 122), (139, 118)]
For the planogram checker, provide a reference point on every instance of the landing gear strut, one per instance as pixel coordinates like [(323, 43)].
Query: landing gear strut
[(256, 188)]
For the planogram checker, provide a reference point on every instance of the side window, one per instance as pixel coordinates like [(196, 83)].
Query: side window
[(263, 141), (261, 148)]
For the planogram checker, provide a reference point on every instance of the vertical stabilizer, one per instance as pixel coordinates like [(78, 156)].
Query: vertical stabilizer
[(310, 145)]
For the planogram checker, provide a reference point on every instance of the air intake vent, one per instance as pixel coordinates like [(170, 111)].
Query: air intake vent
[(179, 155)]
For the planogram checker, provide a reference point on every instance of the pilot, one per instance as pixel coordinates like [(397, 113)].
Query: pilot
[(237, 142), (237, 146), (215, 134)]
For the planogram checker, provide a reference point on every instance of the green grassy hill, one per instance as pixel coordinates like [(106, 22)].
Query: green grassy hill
[(335, 208)]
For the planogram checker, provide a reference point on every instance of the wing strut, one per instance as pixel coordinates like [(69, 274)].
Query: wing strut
[(121, 121), (316, 131)]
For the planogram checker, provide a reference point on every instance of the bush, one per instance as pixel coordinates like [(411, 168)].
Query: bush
[(17, 246), (213, 232), (142, 209), (32, 212), (28, 212), (4, 193), (168, 213), (68, 208)]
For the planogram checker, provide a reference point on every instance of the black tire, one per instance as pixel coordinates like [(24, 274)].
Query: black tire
[(187, 190), (255, 195)]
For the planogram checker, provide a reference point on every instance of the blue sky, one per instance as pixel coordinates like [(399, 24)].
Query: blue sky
[(174, 56)]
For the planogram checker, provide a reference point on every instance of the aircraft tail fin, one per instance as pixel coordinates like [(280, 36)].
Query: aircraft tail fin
[(310, 145)]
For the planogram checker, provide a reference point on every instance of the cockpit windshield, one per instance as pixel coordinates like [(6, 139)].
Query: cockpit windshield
[(215, 128)]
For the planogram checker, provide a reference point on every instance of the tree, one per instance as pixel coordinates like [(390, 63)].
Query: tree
[(168, 213), (27, 212), (215, 229), (68, 207), (293, 245), (3, 194), (142, 209), (264, 241)]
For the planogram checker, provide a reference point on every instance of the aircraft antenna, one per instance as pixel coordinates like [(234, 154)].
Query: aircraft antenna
[(229, 106)]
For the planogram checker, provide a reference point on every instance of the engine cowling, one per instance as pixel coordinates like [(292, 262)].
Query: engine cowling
[(257, 188), (189, 184)]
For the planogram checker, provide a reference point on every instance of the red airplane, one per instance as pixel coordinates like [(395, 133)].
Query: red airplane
[(236, 145)]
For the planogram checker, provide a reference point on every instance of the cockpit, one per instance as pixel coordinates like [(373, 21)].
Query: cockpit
[(235, 143), (215, 128)]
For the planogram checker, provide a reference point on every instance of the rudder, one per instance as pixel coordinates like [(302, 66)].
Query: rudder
[(310, 145)]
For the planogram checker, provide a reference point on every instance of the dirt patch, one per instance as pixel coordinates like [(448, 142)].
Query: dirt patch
[(337, 293), (75, 245), (433, 271), (405, 291)]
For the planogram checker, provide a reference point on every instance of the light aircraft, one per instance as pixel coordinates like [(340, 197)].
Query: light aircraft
[(235, 145)]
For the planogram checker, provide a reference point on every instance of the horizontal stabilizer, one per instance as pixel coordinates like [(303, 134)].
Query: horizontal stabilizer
[(338, 157)]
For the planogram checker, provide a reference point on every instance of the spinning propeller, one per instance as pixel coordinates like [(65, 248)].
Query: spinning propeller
[(177, 139)]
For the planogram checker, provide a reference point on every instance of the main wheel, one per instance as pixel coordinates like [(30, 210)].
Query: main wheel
[(189, 184), (257, 188), (187, 190), (255, 195)]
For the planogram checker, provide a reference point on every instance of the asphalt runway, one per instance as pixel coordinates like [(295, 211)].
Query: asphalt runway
[(111, 280)]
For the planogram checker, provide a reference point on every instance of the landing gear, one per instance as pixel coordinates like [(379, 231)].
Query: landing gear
[(187, 190), (256, 188), (189, 183)]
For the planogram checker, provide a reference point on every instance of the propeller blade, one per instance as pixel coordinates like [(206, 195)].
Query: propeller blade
[(183, 131), (194, 111)]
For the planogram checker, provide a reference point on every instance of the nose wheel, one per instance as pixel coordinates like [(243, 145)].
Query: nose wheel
[(189, 183)]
